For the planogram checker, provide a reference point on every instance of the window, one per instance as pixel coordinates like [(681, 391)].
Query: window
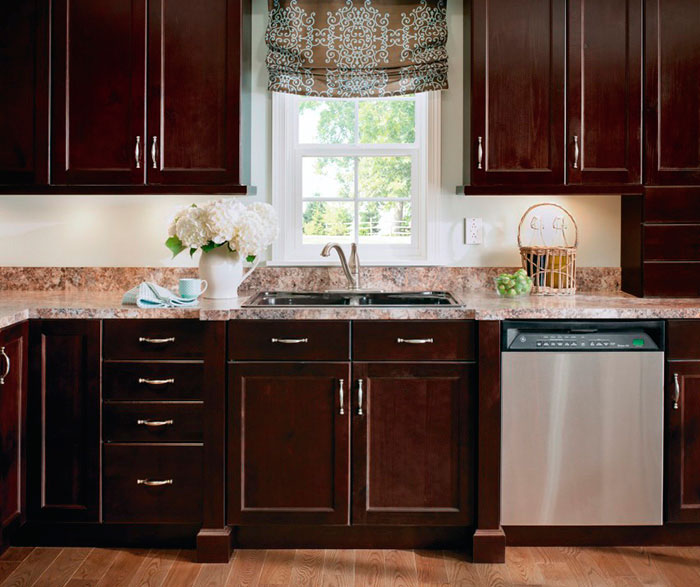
[(355, 170)]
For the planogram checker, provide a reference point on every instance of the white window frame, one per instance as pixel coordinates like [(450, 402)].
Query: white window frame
[(287, 154)]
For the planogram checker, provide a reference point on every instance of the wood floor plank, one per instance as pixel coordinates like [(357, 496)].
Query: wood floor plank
[(93, 568), (32, 567), (277, 568), (369, 568), (7, 568), (59, 572), (460, 570), (643, 567), (307, 567), (607, 561), (430, 567), (339, 568), (213, 575), (184, 571), (124, 567), (154, 569), (673, 566), (246, 568), (16, 553), (522, 563), (400, 568)]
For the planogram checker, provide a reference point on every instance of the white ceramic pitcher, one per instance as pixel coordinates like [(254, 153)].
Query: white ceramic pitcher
[(223, 270)]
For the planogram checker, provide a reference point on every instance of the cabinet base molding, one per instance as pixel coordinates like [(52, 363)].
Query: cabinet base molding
[(668, 535), (489, 546), (214, 545)]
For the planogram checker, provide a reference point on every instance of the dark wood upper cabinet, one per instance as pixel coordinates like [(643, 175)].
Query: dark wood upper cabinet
[(413, 443), (64, 421), (604, 92), (23, 93), (518, 58), (289, 443), (672, 92), (98, 72), (13, 386)]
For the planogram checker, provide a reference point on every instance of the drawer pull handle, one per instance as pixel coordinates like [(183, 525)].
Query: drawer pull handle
[(676, 391), (359, 398), (415, 340), (156, 381), (157, 340), (6, 372), (289, 340), (154, 482), (341, 393), (155, 423)]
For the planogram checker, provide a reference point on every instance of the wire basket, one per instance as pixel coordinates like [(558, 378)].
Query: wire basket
[(552, 268)]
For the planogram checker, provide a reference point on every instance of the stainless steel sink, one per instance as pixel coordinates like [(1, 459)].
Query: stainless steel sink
[(410, 299)]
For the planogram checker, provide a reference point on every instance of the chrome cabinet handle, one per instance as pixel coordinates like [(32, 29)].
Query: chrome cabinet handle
[(137, 152), (155, 423), (289, 340), (479, 153), (8, 365), (157, 340), (154, 152), (359, 398), (415, 340), (154, 482), (156, 381), (676, 391), (341, 393), (577, 152)]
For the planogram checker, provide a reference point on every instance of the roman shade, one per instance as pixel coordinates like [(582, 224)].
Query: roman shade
[(356, 48)]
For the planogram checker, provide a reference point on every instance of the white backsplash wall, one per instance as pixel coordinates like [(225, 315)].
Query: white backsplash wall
[(124, 231)]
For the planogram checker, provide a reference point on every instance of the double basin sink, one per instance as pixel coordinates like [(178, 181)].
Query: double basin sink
[(352, 298)]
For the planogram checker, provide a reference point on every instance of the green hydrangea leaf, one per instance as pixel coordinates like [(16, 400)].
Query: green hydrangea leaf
[(211, 245), (250, 258), (175, 245)]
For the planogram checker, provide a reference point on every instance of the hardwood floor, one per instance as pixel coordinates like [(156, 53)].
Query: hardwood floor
[(99, 567)]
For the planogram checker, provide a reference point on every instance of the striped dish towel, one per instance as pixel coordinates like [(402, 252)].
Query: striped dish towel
[(150, 295)]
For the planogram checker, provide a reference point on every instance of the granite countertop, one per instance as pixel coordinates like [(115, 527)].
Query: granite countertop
[(16, 306)]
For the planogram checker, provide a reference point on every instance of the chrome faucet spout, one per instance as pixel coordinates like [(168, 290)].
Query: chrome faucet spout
[(351, 270)]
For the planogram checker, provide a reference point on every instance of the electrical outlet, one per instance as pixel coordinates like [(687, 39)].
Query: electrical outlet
[(473, 231)]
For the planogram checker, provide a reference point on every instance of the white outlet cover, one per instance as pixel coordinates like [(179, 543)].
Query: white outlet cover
[(473, 231)]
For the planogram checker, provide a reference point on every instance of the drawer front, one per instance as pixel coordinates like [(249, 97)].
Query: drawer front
[(683, 340), (668, 279), (152, 484), (152, 422), (152, 381), (154, 339), (413, 341), (672, 242), (672, 204), (289, 340)]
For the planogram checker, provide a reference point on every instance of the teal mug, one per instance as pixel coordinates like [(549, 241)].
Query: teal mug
[(192, 288)]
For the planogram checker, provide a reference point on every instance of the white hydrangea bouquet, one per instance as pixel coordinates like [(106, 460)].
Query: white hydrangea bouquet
[(227, 232)]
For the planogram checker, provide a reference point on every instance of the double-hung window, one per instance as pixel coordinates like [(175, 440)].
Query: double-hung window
[(355, 170)]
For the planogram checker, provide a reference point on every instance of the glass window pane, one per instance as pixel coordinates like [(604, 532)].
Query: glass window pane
[(327, 122), (328, 177), (384, 177), (385, 223), (387, 121), (322, 220)]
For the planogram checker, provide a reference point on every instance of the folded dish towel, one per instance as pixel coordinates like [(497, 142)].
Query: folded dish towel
[(150, 295)]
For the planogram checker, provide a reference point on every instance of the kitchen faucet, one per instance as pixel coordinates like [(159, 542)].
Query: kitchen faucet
[(351, 270)]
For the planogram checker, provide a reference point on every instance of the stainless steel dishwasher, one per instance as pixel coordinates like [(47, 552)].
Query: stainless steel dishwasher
[(582, 423)]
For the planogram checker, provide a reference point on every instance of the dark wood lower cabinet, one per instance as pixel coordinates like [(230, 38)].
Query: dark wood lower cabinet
[(412, 443), (289, 444)]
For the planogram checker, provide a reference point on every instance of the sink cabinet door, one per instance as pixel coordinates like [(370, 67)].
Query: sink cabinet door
[(288, 443), (413, 443)]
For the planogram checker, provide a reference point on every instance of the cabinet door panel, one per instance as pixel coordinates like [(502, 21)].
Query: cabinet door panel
[(288, 443), (518, 58), (683, 443), (605, 91), (98, 92), (194, 91), (65, 420), (413, 445), (672, 92)]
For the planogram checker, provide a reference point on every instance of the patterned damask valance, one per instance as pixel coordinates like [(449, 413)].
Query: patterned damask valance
[(357, 48)]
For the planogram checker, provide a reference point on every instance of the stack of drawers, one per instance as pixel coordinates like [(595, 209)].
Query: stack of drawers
[(152, 382)]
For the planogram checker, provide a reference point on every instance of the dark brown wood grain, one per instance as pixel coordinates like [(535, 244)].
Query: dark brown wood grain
[(126, 501), (121, 380), (120, 422), (632, 210), (546, 190), (672, 204), (413, 444), (289, 444), (252, 340), (63, 474), (683, 340), (122, 339), (672, 279), (377, 340), (672, 242)]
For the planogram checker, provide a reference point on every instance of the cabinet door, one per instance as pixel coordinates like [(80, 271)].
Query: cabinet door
[(683, 442), (98, 92), (194, 92), (288, 443), (672, 92), (412, 443), (605, 91), (518, 57), (13, 376), (24, 79), (64, 412)]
